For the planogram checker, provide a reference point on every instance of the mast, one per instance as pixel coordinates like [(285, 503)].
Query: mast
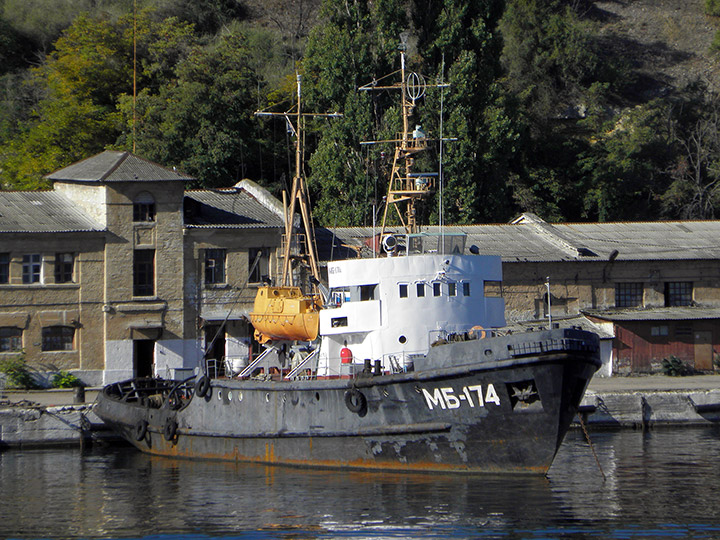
[(406, 187), (299, 195)]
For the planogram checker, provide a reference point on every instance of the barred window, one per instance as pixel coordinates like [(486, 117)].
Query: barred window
[(214, 266), (31, 268), (10, 339), (144, 272), (678, 293), (628, 294), (4, 267), (144, 207), (58, 338), (64, 263)]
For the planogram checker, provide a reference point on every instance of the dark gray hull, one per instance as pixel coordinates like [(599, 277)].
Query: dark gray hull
[(497, 415)]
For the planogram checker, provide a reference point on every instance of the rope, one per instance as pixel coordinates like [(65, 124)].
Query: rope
[(587, 438)]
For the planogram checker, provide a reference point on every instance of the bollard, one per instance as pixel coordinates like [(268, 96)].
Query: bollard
[(79, 394)]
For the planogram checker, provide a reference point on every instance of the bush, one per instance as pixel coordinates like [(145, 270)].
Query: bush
[(63, 379), (17, 373), (712, 7), (674, 367)]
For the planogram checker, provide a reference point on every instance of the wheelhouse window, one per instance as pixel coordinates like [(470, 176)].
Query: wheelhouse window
[(628, 294), (436, 288), (58, 338), (403, 289), (64, 266), (4, 267), (420, 290), (367, 292), (32, 268), (678, 293), (466, 288), (144, 272), (10, 339), (452, 288), (215, 266), (144, 207)]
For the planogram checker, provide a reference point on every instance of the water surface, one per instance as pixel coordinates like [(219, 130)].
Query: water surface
[(663, 483)]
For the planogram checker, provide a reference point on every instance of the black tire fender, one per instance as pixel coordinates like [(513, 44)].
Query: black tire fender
[(170, 429), (202, 387), (355, 400), (140, 430)]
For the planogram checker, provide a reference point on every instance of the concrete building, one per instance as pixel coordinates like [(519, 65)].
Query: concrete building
[(651, 289), (119, 271)]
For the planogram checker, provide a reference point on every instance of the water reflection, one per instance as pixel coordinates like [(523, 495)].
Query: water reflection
[(659, 480)]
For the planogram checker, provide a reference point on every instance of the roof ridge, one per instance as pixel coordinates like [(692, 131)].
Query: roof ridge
[(121, 159)]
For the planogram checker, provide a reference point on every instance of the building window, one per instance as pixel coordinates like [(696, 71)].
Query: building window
[(64, 263), (420, 290), (258, 270), (4, 267), (436, 288), (31, 268), (10, 339), (659, 331), (678, 293), (144, 272), (214, 266), (403, 290), (58, 338), (628, 294), (144, 207)]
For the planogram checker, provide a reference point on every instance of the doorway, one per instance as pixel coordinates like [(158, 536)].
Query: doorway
[(144, 357), (215, 350), (703, 351)]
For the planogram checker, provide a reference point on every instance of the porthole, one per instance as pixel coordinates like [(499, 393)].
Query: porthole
[(220, 395), (267, 397), (402, 339), (317, 396), (239, 396), (229, 395)]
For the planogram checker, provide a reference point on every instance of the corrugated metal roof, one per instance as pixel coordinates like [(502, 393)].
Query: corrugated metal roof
[(654, 314), (545, 242), (41, 211), (113, 166), (228, 208)]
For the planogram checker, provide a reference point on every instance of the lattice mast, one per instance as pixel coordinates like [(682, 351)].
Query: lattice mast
[(405, 186)]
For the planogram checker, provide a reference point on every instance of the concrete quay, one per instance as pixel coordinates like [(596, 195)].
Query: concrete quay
[(54, 418), (43, 418), (651, 401)]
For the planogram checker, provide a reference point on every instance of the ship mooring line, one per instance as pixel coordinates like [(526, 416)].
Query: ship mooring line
[(592, 447)]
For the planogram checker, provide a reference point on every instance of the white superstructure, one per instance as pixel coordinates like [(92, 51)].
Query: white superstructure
[(393, 308)]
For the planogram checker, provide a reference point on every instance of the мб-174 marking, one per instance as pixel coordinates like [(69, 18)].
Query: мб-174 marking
[(445, 398)]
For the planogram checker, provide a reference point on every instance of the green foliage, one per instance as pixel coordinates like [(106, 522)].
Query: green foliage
[(64, 379), (674, 367), (712, 7), (17, 372)]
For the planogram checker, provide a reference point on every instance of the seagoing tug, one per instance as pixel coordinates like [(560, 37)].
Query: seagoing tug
[(401, 364)]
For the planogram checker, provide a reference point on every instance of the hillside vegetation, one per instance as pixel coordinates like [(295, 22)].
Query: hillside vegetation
[(572, 109)]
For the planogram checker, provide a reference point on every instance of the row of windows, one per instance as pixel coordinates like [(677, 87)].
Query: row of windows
[(677, 293), (450, 288), (54, 338), (33, 268)]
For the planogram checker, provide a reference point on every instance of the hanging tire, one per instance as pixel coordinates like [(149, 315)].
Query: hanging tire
[(355, 401), (202, 387), (170, 429), (140, 430)]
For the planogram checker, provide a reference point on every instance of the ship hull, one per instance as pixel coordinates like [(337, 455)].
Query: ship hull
[(506, 415)]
